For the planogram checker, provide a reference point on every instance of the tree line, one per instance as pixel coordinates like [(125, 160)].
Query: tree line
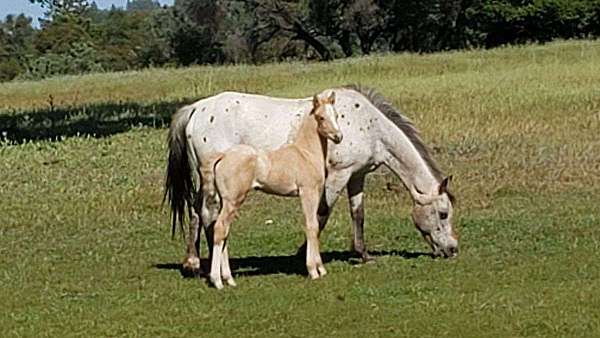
[(75, 36)]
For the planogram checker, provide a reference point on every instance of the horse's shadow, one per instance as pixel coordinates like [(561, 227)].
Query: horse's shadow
[(285, 264)]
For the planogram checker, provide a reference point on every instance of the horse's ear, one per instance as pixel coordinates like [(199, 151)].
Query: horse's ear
[(444, 185), (331, 98)]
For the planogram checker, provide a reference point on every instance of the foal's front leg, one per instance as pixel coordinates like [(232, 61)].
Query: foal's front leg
[(334, 184), (310, 203)]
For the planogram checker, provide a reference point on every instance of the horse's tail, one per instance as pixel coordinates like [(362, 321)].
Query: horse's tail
[(179, 183)]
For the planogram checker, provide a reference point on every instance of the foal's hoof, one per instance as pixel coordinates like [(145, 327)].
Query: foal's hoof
[(217, 283), (191, 266), (322, 271), (230, 282), (313, 274)]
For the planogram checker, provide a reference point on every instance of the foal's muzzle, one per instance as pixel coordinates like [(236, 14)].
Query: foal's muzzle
[(337, 138)]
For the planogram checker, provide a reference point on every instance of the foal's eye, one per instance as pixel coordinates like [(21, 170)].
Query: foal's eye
[(443, 215)]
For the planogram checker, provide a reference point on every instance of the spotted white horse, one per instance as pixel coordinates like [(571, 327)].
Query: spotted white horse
[(375, 133)]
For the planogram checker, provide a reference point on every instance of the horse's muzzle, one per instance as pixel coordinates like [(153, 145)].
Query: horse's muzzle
[(337, 139)]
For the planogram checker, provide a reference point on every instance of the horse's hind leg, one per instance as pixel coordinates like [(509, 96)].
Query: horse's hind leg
[(209, 212), (191, 263)]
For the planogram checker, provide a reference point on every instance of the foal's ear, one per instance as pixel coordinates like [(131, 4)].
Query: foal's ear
[(331, 98), (444, 185), (316, 101)]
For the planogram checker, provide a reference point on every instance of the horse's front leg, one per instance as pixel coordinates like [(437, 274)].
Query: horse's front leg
[(355, 197), (334, 184)]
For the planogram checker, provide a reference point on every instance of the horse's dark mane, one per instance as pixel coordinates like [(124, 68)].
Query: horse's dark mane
[(402, 122)]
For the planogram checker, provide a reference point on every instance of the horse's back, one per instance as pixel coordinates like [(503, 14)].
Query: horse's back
[(222, 121)]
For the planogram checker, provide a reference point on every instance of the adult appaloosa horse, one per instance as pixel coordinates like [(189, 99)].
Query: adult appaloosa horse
[(375, 133)]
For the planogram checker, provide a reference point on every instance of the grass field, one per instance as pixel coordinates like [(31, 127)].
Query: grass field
[(85, 247)]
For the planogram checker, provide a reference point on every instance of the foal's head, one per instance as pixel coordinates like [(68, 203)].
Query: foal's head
[(327, 116), (432, 214)]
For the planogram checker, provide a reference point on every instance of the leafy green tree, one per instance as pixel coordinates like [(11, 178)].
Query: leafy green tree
[(142, 5), (16, 35)]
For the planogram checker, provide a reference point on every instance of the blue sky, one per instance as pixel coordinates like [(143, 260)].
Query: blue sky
[(35, 11)]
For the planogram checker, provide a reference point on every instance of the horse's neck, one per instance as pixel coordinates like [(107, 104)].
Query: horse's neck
[(309, 139), (403, 158)]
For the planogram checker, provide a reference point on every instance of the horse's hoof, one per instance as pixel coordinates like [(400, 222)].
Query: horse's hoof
[(231, 282), (191, 266)]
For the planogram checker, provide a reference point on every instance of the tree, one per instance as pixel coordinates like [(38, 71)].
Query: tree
[(16, 34), (142, 5), (63, 7), (276, 17)]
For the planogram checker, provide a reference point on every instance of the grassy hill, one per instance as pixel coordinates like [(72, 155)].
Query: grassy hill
[(85, 245)]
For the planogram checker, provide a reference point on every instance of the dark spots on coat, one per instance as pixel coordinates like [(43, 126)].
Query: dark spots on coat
[(342, 116), (203, 108), (356, 105), (361, 129), (237, 101), (348, 123), (212, 118), (204, 139), (266, 116), (226, 109)]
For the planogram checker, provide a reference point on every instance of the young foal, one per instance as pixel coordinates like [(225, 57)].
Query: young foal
[(297, 169)]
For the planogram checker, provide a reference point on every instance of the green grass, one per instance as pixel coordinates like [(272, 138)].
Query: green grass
[(85, 245)]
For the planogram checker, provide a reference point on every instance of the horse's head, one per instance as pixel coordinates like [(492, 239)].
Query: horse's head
[(432, 214), (327, 117)]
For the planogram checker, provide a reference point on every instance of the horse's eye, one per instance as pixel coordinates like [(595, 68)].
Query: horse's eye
[(443, 215)]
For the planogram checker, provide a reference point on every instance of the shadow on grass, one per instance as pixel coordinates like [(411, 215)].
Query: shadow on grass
[(286, 264), (95, 120)]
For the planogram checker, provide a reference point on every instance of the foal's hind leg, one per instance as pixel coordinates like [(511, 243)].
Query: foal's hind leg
[(225, 268), (221, 231)]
